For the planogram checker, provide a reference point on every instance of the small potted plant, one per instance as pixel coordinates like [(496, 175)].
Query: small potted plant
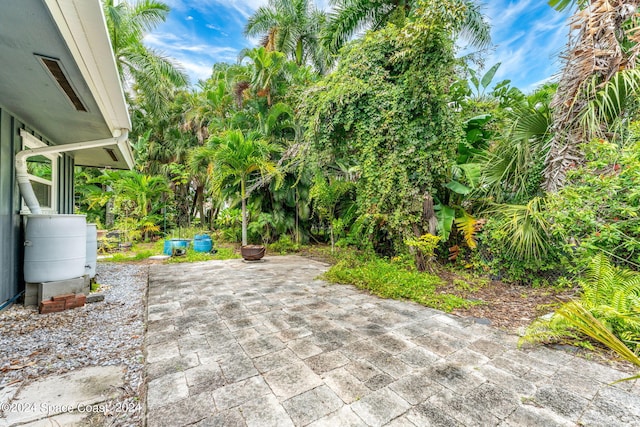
[(252, 252)]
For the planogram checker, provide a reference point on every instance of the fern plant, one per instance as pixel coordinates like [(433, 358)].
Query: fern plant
[(608, 311)]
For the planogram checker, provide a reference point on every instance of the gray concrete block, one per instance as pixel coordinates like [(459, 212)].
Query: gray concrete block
[(47, 290), (292, 380), (188, 411), (342, 417), (426, 414), (312, 405), (95, 297), (236, 394), (560, 401), (416, 388), (265, 411), (345, 385), (31, 294), (325, 362), (380, 407)]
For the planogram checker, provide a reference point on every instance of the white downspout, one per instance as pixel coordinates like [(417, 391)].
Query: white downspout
[(119, 137)]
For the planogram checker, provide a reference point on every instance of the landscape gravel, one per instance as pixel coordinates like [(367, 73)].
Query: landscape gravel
[(110, 332)]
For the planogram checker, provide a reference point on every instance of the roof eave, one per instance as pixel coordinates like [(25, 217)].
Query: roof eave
[(83, 26)]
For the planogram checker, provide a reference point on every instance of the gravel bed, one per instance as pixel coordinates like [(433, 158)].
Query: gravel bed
[(106, 333)]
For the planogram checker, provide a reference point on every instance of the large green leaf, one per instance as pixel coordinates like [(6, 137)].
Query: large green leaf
[(472, 171), (488, 76), (445, 215), (458, 187)]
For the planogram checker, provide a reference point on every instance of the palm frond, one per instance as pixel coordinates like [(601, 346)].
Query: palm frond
[(526, 228), (582, 319), (475, 29)]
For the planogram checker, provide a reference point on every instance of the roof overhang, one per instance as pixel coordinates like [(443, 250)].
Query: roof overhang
[(72, 35)]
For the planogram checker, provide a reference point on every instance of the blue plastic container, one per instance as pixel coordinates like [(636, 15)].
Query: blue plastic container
[(170, 244), (202, 243)]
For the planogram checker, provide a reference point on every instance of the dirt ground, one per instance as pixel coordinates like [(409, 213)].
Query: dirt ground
[(506, 306)]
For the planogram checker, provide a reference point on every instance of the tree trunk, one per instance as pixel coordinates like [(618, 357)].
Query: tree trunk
[(244, 222), (244, 213), (421, 261), (332, 240), (109, 217), (593, 53)]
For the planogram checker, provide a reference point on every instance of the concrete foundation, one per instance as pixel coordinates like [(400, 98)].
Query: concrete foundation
[(36, 292)]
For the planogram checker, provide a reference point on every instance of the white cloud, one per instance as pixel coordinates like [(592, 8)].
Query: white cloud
[(195, 70), (528, 36), (189, 18)]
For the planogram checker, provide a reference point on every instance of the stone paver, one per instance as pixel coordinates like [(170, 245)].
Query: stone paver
[(260, 344)]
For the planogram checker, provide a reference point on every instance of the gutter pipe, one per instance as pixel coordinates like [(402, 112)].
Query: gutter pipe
[(119, 138)]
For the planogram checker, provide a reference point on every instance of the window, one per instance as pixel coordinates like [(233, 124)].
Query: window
[(42, 171)]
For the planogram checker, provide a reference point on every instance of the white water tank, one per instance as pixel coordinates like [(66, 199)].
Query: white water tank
[(55, 247), (92, 250)]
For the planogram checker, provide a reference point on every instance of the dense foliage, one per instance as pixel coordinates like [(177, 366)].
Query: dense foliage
[(385, 109)]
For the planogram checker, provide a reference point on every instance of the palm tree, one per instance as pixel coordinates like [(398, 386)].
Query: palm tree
[(266, 69), (602, 51), (351, 16), (151, 75), (236, 162), (291, 27)]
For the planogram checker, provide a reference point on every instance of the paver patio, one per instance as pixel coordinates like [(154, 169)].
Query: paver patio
[(268, 344)]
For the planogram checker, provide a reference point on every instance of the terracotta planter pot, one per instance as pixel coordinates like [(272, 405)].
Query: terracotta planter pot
[(252, 252)]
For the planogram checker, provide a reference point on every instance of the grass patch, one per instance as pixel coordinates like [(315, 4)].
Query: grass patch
[(130, 256), (389, 280), (193, 256), (226, 253)]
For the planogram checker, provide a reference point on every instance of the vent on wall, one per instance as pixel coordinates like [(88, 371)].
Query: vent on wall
[(111, 154), (55, 69)]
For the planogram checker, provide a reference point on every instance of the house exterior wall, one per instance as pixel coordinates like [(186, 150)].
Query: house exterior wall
[(11, 224)]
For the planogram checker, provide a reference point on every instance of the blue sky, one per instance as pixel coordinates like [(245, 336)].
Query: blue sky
[(527, 36)]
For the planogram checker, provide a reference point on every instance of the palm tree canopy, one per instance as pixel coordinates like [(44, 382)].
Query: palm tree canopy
[(291, 27), (235, 159), (142, 69), (352, 16)]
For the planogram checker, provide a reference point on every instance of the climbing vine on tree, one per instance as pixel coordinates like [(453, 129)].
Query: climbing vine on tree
[(386, 107)]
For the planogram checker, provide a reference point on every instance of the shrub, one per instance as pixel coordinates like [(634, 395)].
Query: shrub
[(284, 245), (496, 256), (598, 210)]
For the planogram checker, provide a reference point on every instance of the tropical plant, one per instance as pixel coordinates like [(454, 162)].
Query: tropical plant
[(291, 27), (512, 168), (516, 243), (482, 83), (463, 179), (267, 69), (350, 16), (153, 76), (385, 109), (598, 209), (603, 42), (527, 229), (426, 245), (326, 195), (239, 164), (607, 311)]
